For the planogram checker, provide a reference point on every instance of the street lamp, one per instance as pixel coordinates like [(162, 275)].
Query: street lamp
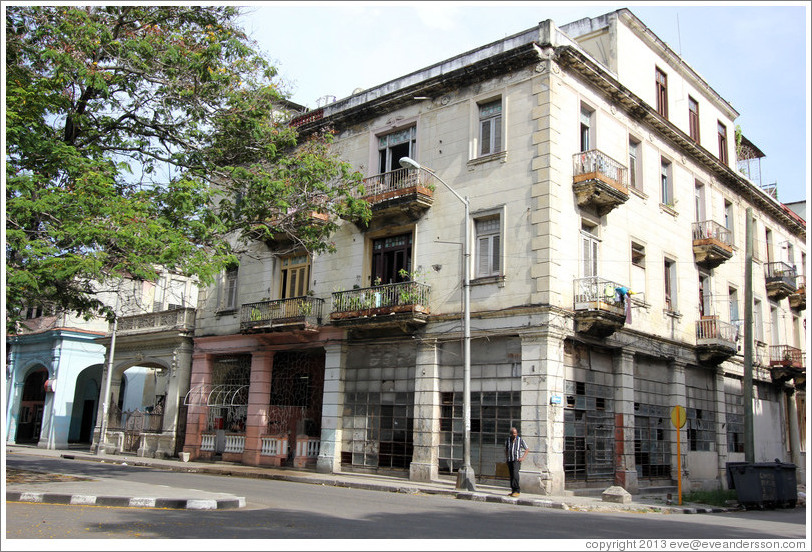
[(465, 475)]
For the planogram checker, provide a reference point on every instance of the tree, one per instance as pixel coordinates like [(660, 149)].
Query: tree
[(146, 137)]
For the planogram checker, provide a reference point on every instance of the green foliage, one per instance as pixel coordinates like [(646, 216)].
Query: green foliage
[(718, 497), (131, 133)]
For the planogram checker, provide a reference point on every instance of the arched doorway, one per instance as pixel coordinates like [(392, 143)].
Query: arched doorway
[(85, 405), (32, 406)]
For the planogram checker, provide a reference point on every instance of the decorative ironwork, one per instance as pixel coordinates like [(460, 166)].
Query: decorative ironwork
[(306, 311), (393, 297)]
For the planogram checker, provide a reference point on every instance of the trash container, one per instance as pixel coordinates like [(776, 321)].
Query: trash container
[(763, 484)]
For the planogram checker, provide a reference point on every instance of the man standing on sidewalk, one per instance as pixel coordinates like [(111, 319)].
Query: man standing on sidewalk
[(515, 451)]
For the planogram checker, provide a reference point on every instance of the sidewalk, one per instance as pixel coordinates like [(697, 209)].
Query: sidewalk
[(58, 489)]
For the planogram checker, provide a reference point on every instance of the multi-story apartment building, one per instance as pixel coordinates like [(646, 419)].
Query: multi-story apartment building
[(57, 368), (594, 161)]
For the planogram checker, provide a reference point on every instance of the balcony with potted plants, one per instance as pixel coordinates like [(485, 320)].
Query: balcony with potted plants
[(281, 315), (779, 278), (402, 305), (712, 243), (786, 362), (400, 191), (599, 181)]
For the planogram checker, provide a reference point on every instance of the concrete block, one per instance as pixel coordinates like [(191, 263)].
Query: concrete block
[(616, 494)]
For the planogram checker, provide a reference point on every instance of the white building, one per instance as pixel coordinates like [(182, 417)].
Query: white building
[(594, 159)]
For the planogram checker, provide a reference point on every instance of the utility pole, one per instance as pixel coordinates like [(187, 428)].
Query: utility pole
[(749, 446)]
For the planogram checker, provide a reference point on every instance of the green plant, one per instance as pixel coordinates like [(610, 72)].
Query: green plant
[(717, 497)]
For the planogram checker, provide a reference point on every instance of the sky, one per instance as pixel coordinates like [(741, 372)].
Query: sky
[(754, 55)]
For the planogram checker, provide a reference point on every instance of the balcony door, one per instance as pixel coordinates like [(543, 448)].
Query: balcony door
[(295, 276), (589, 251), (393, 146), (390, 256)]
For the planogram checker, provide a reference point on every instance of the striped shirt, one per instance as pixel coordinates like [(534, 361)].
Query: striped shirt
[(515, 448)]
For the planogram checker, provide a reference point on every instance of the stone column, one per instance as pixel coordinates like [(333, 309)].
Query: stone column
[(676, 370), (426, 435), (259, 394), (721, 425), (794, 433), (625, 467), (332, 410), (542, 385), (196, 413)]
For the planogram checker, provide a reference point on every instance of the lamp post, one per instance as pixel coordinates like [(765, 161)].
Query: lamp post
[(465, 475)]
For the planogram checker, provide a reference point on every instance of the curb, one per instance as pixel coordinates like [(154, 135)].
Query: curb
[(127, 502)]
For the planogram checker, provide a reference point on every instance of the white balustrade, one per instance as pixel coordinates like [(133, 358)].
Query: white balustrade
[(207, 442), (235, 443), (274, 446)]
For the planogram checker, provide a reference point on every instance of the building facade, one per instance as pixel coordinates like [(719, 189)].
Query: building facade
[(57, 367), (607, 281)]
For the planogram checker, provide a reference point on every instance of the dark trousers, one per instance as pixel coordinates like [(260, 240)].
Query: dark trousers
[(513, 468)]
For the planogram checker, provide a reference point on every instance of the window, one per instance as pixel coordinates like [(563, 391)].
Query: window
[(670, 278), (775, 334), (758, 322), (589, 249), (666, 190), (488, 246), (693, 119), (635, 174), (768, 243), (733, 298), (395, 145), (729, 218), (392, 259), (490, 127), (638, 279), (705, 304), (662, 92), (295, 276), (699, 201), (587, 128), (228, 296), (722, 143)]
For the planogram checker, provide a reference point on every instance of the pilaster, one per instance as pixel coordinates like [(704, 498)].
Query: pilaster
[(426, 434), (543, 412), (256, 416), (335, 362), (676, 370), (625, 468)]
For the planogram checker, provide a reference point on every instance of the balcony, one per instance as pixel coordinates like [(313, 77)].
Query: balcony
[(715, 340), (780, 280), (400, 191), (713, 243), (182, 320), (284, 239), (404, 305), (787, 363), (282, 315), (797, 300), (599, 181), (599, 309)]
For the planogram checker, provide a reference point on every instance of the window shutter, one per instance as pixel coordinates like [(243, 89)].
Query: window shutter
[(482, 255), (496, 253), (485, 146), (497, 134)]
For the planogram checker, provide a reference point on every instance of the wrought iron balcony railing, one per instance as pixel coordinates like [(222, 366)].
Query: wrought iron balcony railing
[(399, 297), (780, 271), (709, 229), (715, 330), (393, 184), (595, 292), (785, 355), (282, 312), (595, 162)]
